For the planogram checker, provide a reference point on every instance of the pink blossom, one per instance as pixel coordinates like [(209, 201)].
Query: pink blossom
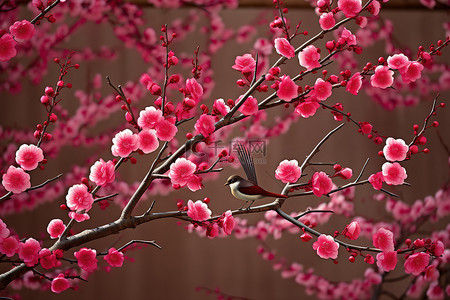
[(244, 64), (16, 180), (166, 130), (29, 252), (205, 125), (198, 211), (345, 173), (416, 263), (387, 261), (250, 106), (352, 230), (212, 230), (283, 47), (395, 150), (4, 231), (87, 259), (431, 273), (48, 260), (288, 171), (321, 184), (350, 8), (397, 61), (78, 216), (55, 228), (287, 89), (114, 258), (228, 222), (376, 180), (194, 88), (22, 30), (326, 247), (124, 142), (7, 47), (149, 117), (60, 283), (347, 37), (181, 171), (354, 84), (327, 21), (148, 142), (102, 172), (411, 72), (374, 7), (9, 246), (382, 78), (78, 198), (307, 109), (384, 240), (428, 3), (309, 57), (393, 173), (195, 183), (322, 89), (29, 156), (437, 248), (221, 107), (435, 292)]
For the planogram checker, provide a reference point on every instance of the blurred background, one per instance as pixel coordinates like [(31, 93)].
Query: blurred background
[(187, 261)]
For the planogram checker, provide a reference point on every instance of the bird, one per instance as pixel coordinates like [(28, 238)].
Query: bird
[(247, 189)]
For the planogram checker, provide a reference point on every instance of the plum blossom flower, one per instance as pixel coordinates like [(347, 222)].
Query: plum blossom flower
[(249, 107), (149, 117), (124, 142), (347, 37), (321, 184), (195, 183), (326, 247), (7, 47), (244, 64), (166, 130), (327, 21), (87, 259), (287, 89), (397, 61), (376, 180), (322, 89), (350, 8), (194, 88), (114, 258), (354, 84), (387, 261), (307, 109), (416, 263), (79, 217), (309, 57), (4, 231), (411, 72), (228, 222), (102, 172), (29, 252), (22, 30), (435, 292), (352, 230), (393, 173), (205, 125), (383, 77), (288, 171), (383, 239), (181, 171), (55, 228), (60, 283), (198, 210), (220, 106), (395, 150), (345, 173), (29, 156), (284, 48), (148, 141), (212, 230), (9, 246), (16, 180), (48, 260), (78, 198)]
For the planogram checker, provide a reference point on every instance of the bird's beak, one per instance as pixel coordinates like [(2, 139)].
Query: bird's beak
[(226, 183)]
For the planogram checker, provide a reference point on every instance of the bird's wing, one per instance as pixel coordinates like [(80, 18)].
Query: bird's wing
[(246, 161)]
